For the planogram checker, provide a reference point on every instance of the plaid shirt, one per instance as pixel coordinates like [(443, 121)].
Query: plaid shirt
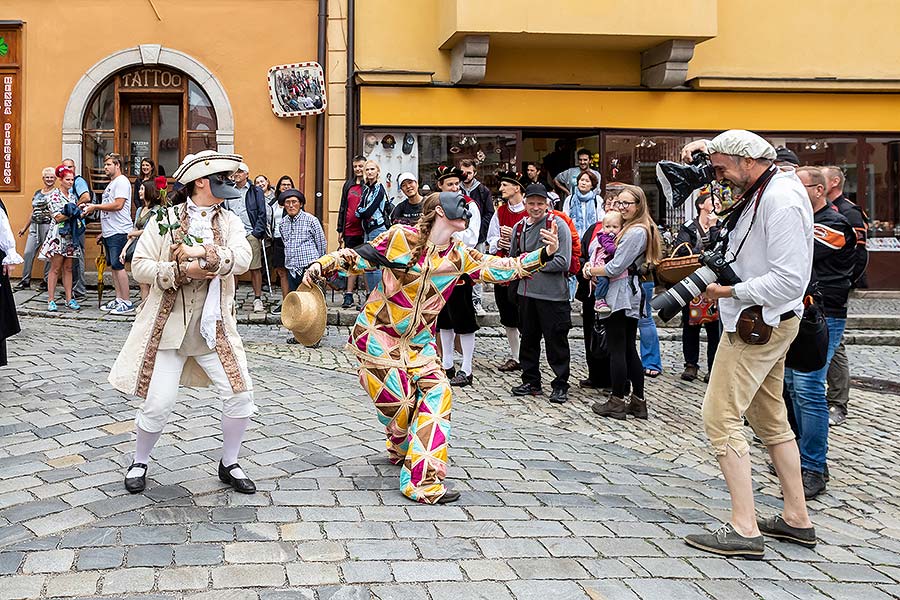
[(304, 241)]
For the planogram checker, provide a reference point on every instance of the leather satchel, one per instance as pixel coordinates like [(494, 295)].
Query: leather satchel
[(751, 328)]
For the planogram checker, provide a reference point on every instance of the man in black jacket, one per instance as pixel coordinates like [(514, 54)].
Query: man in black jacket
[(479, 193), (832, 268), (252, 212), (839, 371)]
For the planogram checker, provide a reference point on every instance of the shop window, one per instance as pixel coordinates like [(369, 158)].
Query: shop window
[(146, 112), (554, 152), (421, 153)]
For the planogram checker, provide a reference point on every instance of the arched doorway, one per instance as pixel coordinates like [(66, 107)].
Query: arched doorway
[(154, 113), (112, 99)]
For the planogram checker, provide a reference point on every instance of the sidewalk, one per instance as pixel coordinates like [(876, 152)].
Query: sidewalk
[(871, 322), (557, 504)]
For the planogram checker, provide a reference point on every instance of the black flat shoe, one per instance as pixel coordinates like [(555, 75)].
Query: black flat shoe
[(448, 497), (242, 486), (136, 485)]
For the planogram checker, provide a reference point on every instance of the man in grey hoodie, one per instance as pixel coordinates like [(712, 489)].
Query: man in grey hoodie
[(544, 309)]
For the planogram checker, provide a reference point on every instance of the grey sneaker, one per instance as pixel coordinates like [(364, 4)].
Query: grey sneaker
[(725, 541), (777, 528)]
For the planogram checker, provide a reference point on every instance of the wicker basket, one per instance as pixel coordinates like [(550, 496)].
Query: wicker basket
[(675, 268)]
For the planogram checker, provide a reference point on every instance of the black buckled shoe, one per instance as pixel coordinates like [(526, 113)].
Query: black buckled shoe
[(461, 379), (136, 485), (242, 486)]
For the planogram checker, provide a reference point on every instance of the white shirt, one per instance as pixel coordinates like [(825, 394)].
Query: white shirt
[(116, 221), (469, 236), (8, 242), (493, 234), (776, 261)]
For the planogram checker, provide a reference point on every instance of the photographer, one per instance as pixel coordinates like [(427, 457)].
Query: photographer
[(769, 247)]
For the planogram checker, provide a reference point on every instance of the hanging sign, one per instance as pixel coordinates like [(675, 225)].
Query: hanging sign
[(297, 89), (10, 108)]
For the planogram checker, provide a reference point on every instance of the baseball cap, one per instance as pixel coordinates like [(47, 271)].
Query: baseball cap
[(407, 176)]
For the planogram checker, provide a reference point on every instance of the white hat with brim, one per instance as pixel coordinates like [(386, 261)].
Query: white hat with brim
[(205, 163), (740, 142), (304, 313)]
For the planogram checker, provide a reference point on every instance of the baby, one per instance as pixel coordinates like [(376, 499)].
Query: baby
[(606, 249)]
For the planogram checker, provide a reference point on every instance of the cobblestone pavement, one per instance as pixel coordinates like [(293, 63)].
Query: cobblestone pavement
[(556, 503)]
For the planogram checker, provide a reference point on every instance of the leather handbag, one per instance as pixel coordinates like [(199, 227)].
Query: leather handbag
[(751, 327), (809, 350)]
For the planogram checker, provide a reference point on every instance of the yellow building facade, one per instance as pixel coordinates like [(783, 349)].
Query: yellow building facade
[(502, 82)]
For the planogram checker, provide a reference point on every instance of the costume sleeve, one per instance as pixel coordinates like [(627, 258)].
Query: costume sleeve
[(336, 262), (234, 257), (147, 266), (494, 269), (8, 241), (493, 233)]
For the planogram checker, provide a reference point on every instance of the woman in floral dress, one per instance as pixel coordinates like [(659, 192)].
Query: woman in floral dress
[(61, 245)]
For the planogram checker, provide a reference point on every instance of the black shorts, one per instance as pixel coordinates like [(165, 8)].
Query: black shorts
[(507, 305), (352, 241), (277, 257), (459, 312)]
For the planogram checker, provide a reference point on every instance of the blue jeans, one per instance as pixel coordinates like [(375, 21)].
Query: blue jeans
[(373, 278), (601, 288), (649, 338), (807, 391)]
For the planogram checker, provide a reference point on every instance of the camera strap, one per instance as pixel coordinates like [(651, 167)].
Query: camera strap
[(752, 196)]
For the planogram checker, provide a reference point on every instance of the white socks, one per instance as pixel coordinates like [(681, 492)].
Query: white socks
[(142, 449), (232, 436), (467, 343), (512, 336), (446, 348)]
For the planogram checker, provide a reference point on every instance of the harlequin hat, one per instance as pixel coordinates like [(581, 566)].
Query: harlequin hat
[(512, 177), (205, 163), (444, 172), (304, 313)]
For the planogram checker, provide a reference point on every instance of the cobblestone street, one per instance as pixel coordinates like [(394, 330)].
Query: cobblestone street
[(556, 503)]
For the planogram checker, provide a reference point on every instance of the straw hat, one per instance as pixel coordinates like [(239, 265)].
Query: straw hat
[(303, 312)]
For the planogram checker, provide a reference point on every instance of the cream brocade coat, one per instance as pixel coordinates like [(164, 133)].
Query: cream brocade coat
[(163, 318)]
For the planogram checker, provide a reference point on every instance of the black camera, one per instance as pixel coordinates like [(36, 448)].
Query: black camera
[(714, 268), (676, 182)]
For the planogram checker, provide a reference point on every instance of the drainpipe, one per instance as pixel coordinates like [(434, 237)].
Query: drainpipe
[(351, 85), (320, 119)]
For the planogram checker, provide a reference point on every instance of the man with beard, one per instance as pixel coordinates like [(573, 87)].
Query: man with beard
[(458, 315), (479, 193), (770, 238), (567, 181), (510, 212), (409, 210)]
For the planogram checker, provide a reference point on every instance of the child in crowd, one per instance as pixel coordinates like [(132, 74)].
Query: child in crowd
[(603, 253)]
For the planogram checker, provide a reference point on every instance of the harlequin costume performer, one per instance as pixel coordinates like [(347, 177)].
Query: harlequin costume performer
[(9, 321), (393, 337), (186, 331)]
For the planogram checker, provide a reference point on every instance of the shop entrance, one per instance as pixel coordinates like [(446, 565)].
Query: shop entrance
[(555, 152), (151, 128)]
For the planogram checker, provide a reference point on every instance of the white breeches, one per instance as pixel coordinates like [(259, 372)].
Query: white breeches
[(156, 408)]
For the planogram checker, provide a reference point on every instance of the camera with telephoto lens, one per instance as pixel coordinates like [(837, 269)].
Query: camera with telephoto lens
[(714, 268), (676, 181)]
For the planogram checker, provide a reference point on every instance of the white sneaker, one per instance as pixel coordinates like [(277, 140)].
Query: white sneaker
[(112, 304), (258, 306), (123, 308)]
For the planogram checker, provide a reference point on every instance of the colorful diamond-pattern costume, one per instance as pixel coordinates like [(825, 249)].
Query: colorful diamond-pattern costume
[(393, 339)]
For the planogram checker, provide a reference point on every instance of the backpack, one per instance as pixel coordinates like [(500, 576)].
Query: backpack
[(575, 263)]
